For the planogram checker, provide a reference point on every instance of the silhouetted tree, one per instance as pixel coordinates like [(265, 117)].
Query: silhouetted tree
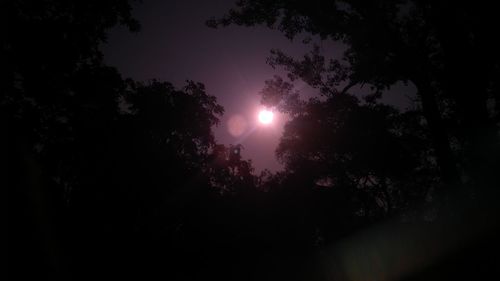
[(115, 178), (445, 49), (346, 159), (338, 140), (111, 177), (53, 88)]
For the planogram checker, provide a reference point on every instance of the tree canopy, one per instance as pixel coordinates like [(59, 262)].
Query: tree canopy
[(443, 48), (109, 177)]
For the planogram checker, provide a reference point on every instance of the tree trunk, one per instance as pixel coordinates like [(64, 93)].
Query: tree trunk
[(443, 153)]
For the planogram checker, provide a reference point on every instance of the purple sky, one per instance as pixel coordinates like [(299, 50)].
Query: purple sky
[(175, 45)]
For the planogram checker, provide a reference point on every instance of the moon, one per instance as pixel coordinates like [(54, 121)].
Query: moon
[(266, 116)]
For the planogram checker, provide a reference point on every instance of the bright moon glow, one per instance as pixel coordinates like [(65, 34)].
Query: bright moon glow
[(265, 116)]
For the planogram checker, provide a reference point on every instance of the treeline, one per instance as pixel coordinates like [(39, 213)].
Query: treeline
[(114, 178)]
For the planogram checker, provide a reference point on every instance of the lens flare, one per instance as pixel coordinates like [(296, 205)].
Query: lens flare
[(237, 125)]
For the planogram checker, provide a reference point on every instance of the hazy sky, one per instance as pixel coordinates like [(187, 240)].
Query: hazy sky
[(174, 45)]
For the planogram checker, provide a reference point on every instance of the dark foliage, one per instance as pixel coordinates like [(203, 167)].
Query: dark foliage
[(445, 49), (114, 178), (446, 149)]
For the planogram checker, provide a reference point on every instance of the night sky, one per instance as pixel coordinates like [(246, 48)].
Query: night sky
[(174, 45), (364, 192)]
